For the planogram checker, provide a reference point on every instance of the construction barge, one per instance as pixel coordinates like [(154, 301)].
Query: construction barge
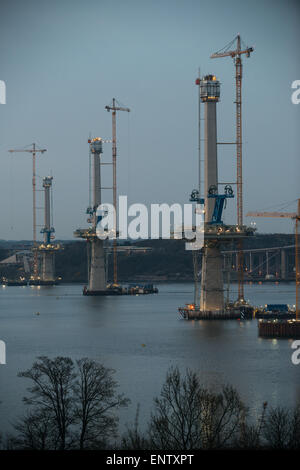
[(279, 328), (30, 282), (14, 282), (231, 312), (43, 282), (117, 289)]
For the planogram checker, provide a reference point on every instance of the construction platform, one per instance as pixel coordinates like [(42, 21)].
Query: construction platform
[(90, 233), (231, 312), (48, 248), (41, 282), (275, 315), (120, 290), (275, 312), (14, 282), (216, 232), (279, 329)]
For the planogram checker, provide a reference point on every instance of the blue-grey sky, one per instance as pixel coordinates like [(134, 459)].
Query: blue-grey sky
[(64, 60)]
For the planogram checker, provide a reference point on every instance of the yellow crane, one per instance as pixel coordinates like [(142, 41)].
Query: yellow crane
[(296, 217), (34, 150), (236, 55), (114, 108)]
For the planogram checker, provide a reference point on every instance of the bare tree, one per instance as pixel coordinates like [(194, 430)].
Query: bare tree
[(52, 392), (294, 442), (96, 401), (221, 417), (36, 431), (250, 435), (176, 422), (188, 416), (282, 428), (133, 439), (71, 405)]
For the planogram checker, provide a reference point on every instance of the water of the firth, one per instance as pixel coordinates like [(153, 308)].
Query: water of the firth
[(141, 337)]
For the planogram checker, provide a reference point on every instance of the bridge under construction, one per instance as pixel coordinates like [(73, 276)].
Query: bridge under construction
[(211, 303), (98, 248), (47, 249)]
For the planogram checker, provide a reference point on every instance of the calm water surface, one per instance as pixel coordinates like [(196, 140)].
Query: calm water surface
[(141, 337)]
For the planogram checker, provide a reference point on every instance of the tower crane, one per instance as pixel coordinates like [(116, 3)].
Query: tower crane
[(236, 55), (34, 150), (296, 217), (114, 108)]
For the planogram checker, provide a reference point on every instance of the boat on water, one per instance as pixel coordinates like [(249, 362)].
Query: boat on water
[(31, 282), (14, 282), (134, 289), (232, 311), (40, 282), (276, 311), (117, 289)]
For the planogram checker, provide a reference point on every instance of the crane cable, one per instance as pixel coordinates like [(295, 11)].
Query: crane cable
[(12, 192), (128, 159), (284, 205)]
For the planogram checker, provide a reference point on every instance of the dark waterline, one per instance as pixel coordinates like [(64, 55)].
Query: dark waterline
[(141, 337)]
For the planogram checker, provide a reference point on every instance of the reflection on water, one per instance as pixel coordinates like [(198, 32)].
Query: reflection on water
[(140, 337)]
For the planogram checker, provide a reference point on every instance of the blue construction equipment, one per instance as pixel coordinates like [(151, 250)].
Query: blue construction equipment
[(220, 200)]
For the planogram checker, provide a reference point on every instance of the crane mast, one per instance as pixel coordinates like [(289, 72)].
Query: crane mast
[(297, 264), (114, 109), (236, 55), (239, 174), (34, 150)]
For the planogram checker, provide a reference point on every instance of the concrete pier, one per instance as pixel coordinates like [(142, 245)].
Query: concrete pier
[(47, 249), (212, 295), (212, 290), (97, 274), (283, 264), (279, 328), (48, 267), (97, 278), (97, 282)]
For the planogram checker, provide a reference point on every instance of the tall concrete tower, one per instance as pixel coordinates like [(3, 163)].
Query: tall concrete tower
[(97, 279), (209, 95), (96, 258), (212, 296), (216, 233), (47, 249)]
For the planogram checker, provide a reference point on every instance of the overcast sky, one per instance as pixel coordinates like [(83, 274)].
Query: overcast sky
[(63, 61)]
